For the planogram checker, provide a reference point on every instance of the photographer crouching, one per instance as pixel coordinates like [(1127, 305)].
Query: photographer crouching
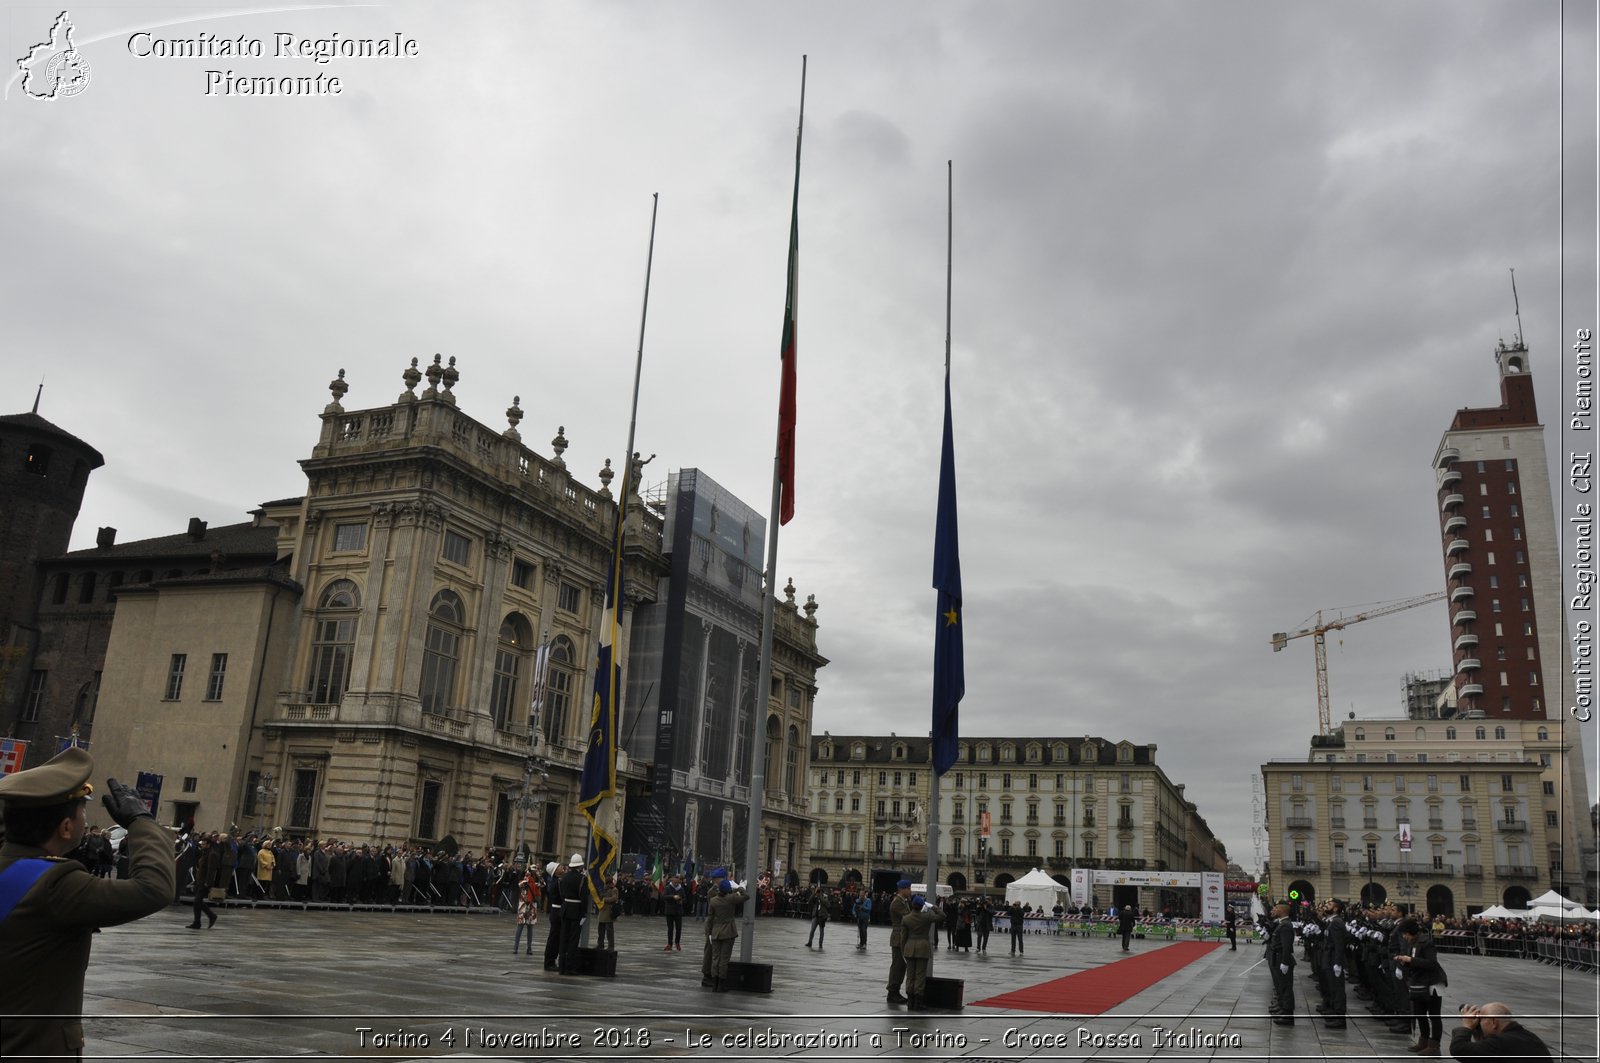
[(1489, 1032)]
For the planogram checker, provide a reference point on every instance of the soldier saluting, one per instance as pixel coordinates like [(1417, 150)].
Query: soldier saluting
[(49, 906)]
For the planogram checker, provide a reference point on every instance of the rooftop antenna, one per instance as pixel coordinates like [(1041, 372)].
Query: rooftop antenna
[(36, 395), (1516, 307)]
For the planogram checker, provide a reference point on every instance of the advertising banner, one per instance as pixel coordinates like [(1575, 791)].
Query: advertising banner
[(1213, 895)]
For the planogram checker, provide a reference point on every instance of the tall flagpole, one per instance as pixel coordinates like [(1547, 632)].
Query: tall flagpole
[(932, 878), (598, 796), (785, 447)]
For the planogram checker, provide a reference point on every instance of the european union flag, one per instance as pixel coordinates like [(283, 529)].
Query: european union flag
[(949, 667)]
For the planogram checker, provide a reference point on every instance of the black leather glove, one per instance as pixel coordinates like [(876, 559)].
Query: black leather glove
[(123, 803)]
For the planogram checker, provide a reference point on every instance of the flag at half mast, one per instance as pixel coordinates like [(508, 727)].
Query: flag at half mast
[(949, 666), (597, 792)]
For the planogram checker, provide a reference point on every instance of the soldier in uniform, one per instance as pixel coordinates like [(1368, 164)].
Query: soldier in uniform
[(918, 949), (574, 906), (721, 931), (50, 906), (1283, 964), (554, 873), (899, 908), (1335, 958)]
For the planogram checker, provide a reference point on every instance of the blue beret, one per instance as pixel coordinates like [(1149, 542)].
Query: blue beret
[(720, 872), (724, 885), (918, 901), (903, 884)]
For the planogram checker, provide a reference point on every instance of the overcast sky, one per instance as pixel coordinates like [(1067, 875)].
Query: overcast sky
[(1223, 273)]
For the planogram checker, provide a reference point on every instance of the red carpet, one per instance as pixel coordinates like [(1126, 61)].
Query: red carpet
[(1103, 988)]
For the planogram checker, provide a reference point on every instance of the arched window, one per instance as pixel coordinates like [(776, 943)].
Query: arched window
[(1481, 733), (1422, 734), (516, 640), (441, 652), (1450, 733), (1544, 734), (333, 636), (557, 697), (1499, 732)]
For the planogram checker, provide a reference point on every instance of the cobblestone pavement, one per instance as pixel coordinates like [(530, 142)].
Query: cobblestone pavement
[(273, 984)]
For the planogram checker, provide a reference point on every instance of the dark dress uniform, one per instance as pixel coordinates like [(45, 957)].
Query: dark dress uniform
[(574, 907), (45, 937)]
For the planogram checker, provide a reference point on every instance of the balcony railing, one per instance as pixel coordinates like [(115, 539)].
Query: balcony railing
[(1126, 824), (1472, 870), (1511, 825), (1124, 863), (1452, 501), (1306, 866), (1515, 871), (1300, 823), (1469, 824), (1465, 616), (1369, 823), (1436, 824), (1059, 821)]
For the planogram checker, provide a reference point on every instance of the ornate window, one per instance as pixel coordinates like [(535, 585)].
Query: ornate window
[(333, 637), (441, 652), (557, 699), (515, 639)]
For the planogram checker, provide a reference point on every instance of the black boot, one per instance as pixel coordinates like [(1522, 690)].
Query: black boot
[(721, 986), (896, 998), (212, 918)]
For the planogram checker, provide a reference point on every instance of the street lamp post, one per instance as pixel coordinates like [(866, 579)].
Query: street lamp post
[(266, 796)]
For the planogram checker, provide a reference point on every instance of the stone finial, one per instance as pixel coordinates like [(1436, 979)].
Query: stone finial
[(559, 444), (606, 475), (514, 417), (435, 371), (811, 608), (412, 377), (450, 376), (788, 592), (338, 387)]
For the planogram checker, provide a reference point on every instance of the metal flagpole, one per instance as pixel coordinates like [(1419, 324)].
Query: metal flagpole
[(758, 781), (932, 876)]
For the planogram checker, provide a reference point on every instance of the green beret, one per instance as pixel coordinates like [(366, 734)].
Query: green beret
[(62, 778)]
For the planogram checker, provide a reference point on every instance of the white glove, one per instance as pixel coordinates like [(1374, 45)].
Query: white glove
[(1283, 968), (1338, 972), (1398, 973)]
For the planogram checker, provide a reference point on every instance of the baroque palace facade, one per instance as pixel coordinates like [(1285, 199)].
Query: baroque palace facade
[(1008, 805), (360, 662)]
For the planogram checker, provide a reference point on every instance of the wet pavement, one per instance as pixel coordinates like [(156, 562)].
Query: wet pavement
[(275, 984)]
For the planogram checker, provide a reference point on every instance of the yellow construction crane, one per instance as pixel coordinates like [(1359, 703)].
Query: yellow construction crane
[(1319, 630)]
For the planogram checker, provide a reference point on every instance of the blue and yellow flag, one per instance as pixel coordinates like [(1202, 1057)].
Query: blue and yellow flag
[(597, 793), (949, 667)]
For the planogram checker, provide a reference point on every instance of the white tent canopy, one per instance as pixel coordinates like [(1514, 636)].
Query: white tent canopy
[(1037, 889), (1499, 912), (1552, 899)]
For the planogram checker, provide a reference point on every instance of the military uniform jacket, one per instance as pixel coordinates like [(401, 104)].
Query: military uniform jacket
[(1283, 943), (46, 938), (1338, 943), (720, 923), (574, 895), (899, 908), (915, 926)]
